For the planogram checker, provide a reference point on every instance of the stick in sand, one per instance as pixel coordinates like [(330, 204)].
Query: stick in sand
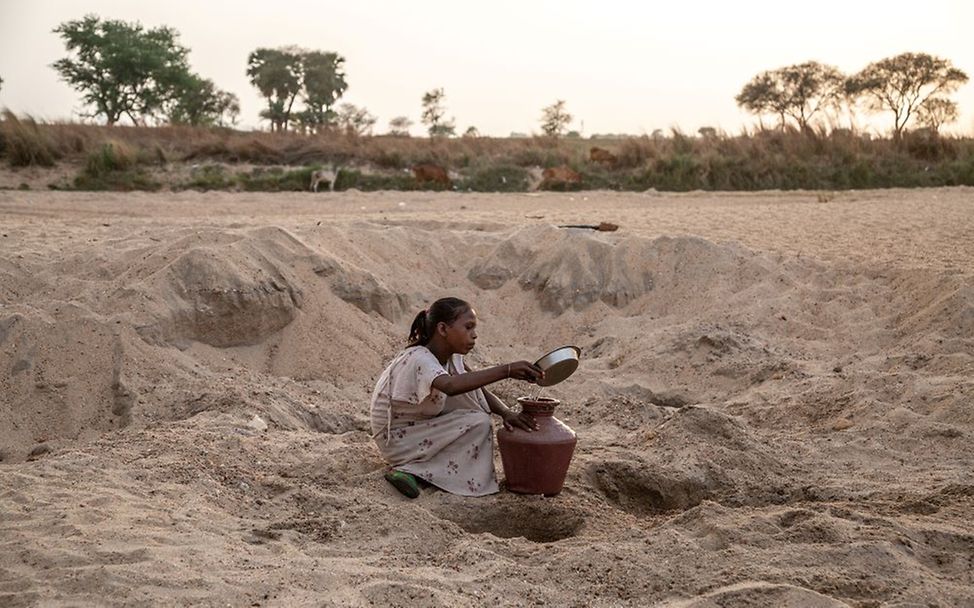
[(601, 227)]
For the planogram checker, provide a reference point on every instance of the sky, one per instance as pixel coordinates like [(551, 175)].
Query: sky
[(621, 67)]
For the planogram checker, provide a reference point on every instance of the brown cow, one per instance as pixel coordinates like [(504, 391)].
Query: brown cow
[(603, 156), (430, 173), (560, 178)]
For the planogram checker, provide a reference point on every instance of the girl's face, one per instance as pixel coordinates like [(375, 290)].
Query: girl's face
[(461, 335)]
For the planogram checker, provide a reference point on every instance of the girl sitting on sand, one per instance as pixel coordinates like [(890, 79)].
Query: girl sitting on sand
[(430, 412)]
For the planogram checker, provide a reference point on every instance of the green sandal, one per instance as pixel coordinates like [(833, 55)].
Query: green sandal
[(404, 482)]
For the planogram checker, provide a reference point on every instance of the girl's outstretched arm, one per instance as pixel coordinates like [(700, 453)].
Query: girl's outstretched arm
[(464, 383)]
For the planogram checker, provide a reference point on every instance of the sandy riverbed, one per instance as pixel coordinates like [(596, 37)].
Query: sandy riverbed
[(775, 404)]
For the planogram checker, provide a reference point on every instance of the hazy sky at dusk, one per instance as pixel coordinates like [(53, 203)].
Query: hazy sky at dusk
[(622, 67)]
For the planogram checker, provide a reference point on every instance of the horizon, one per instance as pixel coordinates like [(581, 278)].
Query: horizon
[(498, 75)]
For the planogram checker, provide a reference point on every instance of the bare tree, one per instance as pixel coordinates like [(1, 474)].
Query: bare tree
[(796, 91), (707, 132), (400, 126), (937, 112), (434, 112), (555, 119), (904, 84), (354, 120)]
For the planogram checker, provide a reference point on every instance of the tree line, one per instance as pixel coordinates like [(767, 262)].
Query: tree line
[(908, 86), (125, 71)]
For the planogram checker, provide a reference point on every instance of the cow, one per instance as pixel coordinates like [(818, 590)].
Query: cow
[(323, 175), (602, 156), (560, 178), (427, 173)]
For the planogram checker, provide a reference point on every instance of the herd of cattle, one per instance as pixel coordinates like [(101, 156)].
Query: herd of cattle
[(428, 174)]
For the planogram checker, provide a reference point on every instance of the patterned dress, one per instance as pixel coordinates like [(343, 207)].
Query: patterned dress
[(448, 441)]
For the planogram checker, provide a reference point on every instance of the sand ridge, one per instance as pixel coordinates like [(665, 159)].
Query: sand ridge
[(773, 404)]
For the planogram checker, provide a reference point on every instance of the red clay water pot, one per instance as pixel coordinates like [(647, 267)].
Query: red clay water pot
[(537, 462)]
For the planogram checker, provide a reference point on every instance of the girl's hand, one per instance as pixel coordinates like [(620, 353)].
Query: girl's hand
[(522, 370), (520, 420)]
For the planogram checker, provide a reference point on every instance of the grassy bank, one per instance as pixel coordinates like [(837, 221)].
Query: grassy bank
[(141, 158)]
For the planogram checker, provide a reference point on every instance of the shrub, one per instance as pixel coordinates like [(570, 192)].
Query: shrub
[(768, 158), (502, 178), (110, 156), (113, 166), (635, 152), (133, 179), (349, 178), (276, 179), (210, 177), (24, 143)]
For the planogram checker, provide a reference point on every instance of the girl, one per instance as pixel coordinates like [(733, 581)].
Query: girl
[(430, 412)]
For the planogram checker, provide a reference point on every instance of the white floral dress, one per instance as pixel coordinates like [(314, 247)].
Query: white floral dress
[(448, 441)]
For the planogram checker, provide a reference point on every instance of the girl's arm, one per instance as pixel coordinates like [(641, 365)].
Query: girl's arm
[(464, 383), (509, 416)]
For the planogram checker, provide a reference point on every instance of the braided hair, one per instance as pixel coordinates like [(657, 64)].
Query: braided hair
[(444, 310)]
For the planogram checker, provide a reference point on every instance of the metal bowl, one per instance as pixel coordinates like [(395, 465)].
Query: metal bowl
[(558, 364)]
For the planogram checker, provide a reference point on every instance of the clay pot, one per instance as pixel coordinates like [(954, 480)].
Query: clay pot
[(537, 462)]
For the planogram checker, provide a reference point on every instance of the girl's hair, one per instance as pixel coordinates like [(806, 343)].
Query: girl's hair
[(444, 310)]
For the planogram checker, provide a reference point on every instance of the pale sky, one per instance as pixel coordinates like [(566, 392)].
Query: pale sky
[(621, 67)]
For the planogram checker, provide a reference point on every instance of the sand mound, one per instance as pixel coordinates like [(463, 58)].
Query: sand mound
[(228, 300), (698, 454), (571, 269), (361, 288)]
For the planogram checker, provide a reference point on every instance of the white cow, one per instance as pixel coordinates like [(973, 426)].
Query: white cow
[(323, 175)]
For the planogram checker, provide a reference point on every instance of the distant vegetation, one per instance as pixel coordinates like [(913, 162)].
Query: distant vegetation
[(184, 157), (434, 114), (284, 75), (181, 138), (908, 85), (123, 70), (555, 119)]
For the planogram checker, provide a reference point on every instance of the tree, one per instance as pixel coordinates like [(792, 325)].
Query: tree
[(197, 101), (355, 121), (399, 126), (904, 84), (277, 75), (1, 84), (282, 75), (120, 68), (707, 132), (433, 113), (323, 81), (937, 112), (471, 132), (554, 119), (796, 91)]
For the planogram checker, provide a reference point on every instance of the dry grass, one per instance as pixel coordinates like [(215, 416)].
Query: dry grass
[(750, 161)]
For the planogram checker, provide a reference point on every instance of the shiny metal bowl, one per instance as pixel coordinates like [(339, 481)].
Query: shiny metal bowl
[(558, 364)]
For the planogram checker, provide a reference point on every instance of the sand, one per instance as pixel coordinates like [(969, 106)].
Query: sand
[(774, 404)]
